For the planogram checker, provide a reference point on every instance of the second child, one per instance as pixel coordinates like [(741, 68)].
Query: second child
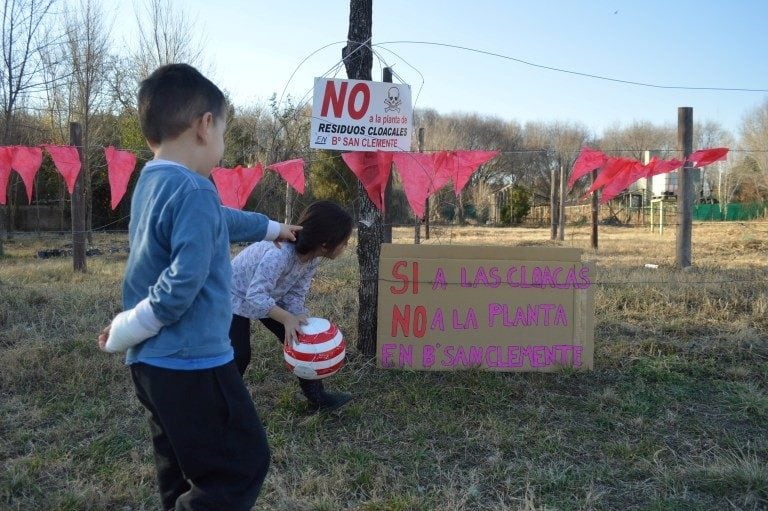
[(270, 284)]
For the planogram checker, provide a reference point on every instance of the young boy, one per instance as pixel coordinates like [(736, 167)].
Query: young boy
[(210, 448)]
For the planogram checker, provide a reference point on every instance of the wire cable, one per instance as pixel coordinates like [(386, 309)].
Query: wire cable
[(569, 71)]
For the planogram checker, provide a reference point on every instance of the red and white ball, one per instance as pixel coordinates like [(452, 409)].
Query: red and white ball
[(319, 353)]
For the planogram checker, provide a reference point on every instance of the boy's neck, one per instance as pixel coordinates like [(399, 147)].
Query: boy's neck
[(182, 152)]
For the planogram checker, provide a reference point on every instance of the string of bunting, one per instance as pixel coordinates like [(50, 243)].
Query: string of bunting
[(616, 174), (422, 174)]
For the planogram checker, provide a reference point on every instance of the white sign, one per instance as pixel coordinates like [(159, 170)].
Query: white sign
[(357, 115)]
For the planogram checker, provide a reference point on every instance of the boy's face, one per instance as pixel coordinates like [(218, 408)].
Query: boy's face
[(216, 140), (210, 142)]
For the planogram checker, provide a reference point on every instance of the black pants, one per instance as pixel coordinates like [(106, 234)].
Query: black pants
[(240, 336), (211, 449)]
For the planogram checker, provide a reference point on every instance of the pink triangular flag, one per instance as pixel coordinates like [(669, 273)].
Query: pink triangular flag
[(462, 164), (235, 185), (587, 161), (6, 159), (627, 175), (417, 171), (656, 167), (27, 161), (292, 171), (67, 162), (612, 168), (372, 169), (441, 173), (704, 157), (120, 166)]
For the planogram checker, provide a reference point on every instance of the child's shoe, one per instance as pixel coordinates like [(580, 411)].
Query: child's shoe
[(319, 399)]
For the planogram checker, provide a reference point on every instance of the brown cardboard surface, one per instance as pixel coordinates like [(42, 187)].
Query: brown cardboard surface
[(496, 308)]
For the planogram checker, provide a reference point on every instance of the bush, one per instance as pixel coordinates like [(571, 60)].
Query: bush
[(518, 207)]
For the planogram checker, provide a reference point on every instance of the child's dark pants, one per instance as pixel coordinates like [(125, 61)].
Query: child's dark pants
[(211, 450)]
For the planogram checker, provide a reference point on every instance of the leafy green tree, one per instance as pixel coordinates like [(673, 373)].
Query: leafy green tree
[(330, 178), (518, 207)]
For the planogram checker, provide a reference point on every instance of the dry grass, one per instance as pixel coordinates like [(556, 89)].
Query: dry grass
[(674, 416)]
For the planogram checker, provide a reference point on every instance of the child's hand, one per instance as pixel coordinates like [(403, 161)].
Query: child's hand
[(103, 336), (292, 326), (287, 233)]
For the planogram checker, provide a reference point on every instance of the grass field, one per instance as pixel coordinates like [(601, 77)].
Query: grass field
[(673, 417)]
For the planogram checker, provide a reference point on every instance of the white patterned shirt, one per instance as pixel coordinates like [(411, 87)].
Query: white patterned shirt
[(264, 275)]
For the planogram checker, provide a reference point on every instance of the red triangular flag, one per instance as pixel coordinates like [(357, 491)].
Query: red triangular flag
[(417, 172), (235, 185), (292, 171), (120, 166), (27, 161), (441, 173), (6, 159), (612, 167), (704, 157), (656, 167), (587, 161), (67, 162), (462, 164), (627, 175), (372, 169)]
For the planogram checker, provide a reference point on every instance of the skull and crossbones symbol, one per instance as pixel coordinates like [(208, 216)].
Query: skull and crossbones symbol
[(393, 100)]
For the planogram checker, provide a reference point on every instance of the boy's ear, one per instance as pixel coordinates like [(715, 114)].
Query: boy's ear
[(203, 127)]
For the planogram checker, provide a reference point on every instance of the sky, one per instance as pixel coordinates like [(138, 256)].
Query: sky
[(256, 48)]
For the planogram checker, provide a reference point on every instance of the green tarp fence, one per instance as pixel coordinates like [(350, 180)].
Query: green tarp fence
[(741, 211)]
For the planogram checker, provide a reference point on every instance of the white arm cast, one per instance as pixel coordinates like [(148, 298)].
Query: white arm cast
[(132, 327)]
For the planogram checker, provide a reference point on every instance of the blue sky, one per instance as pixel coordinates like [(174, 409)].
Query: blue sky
[(253, 48)]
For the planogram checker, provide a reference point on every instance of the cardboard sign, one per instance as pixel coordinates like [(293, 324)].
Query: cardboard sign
[(495, 308), (358, 115)]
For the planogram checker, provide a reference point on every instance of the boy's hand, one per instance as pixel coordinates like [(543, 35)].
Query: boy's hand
[(287, 233), (103, 336)]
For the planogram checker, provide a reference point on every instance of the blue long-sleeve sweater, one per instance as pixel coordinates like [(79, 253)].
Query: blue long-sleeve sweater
[(180, 258)]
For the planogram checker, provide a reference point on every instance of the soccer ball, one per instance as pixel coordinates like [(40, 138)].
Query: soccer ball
[(319, 353)]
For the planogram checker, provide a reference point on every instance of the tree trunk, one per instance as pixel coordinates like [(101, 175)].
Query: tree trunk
[(79, 209), (553, 209), (358, 60)]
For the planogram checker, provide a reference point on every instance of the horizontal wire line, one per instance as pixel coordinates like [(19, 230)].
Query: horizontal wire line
[(568, 71)]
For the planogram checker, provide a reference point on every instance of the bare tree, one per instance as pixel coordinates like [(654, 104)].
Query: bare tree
[(550, 146), (166, 36), (20, 73), (711, 134), (640, 136), (754, 140), (87, 52)]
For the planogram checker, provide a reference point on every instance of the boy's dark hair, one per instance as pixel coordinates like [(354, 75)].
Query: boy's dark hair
[(324, 223), (172, 97)]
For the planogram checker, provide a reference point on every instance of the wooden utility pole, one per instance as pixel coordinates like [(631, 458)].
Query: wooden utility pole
[(386, 76), (417, 227), (684, 186), (426, 204), (358, 61), (561, 213), (553, 203), (595, 209), (78, 204)]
